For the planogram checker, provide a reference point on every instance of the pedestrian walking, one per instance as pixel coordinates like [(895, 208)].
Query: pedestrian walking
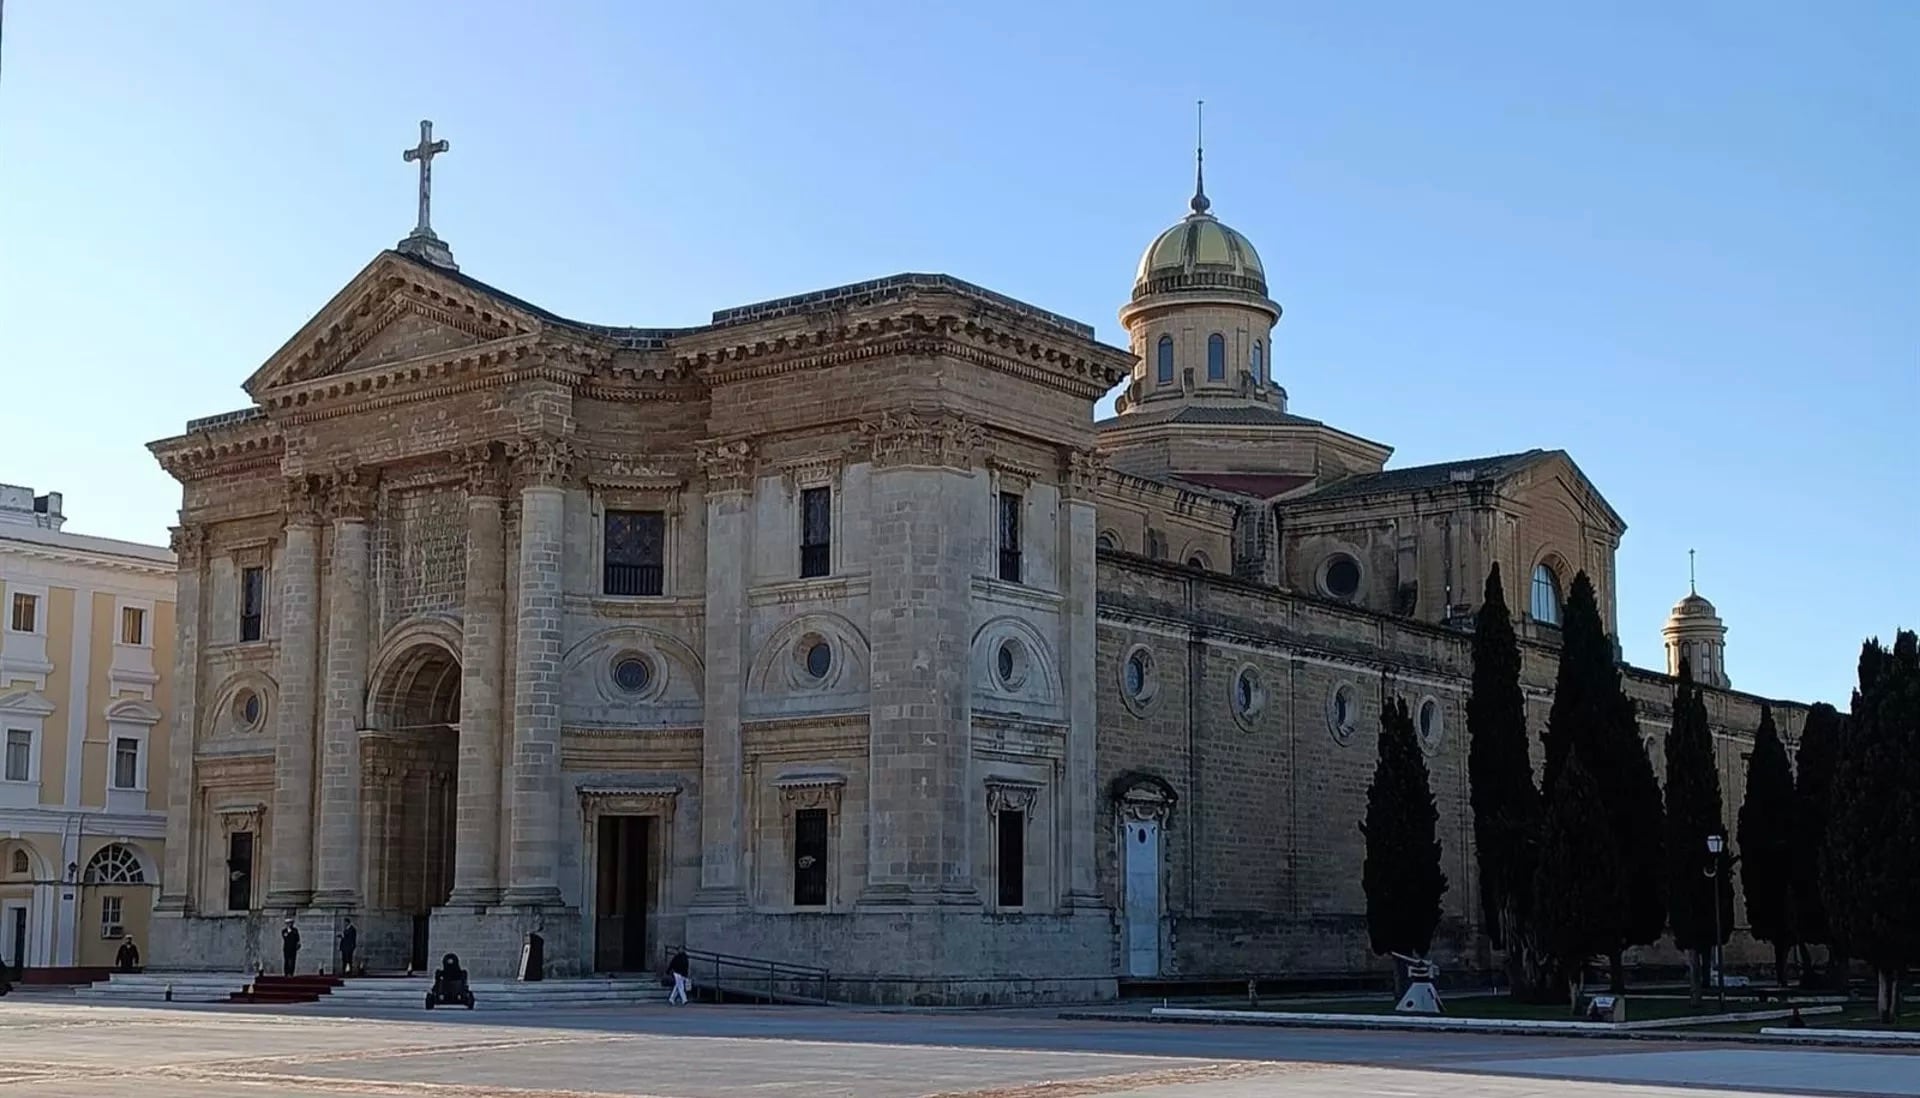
[(677, 968)]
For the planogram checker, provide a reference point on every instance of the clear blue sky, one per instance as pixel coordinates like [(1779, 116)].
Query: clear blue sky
[(1679, 242)]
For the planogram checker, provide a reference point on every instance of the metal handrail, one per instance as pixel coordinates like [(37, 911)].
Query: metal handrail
[(760, 978)]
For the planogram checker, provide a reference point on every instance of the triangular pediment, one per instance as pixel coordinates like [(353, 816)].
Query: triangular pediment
[(395, 310)]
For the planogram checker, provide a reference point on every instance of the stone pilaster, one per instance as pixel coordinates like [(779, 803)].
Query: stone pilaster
[(349, 644), (729, 469), (476, 881), (189, 547), (541, 466), (928, 517), (290, 871), (1079, 573)]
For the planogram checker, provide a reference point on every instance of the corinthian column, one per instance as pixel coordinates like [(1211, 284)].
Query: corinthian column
[(350, 498), (541, 465), (476, 881), (189, 544), (729, 469), (290, 874)]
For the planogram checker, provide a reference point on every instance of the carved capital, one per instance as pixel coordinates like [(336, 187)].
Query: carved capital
[(351, 493), (189, 544), (1080, 472), (1007, 795), (304, 499), (907, 438), (542, 462), (485, 470), (728, 465), (802, 791)]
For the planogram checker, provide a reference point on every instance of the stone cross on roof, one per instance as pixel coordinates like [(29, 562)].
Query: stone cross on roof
[(421, 242)]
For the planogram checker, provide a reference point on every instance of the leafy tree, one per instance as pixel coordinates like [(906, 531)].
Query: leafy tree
[(1401, 874), (1593, 714), (1578, 887), (1693, 813), (1872, 866), (1819, 748), (1767, 828), (1506, 806)]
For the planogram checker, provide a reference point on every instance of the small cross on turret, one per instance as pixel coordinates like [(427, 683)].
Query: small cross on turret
[(421, 242)]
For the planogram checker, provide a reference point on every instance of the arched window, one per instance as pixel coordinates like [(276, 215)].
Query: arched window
[(20, 866), (1106, 541), (1163, 369), (1546, 595), (1259, 364), (115, 865), (1216, 357)]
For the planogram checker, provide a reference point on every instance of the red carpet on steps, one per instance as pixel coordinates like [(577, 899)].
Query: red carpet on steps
[(286, 989)]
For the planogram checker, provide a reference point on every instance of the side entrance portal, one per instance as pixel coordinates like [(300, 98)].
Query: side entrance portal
[(621, 888)]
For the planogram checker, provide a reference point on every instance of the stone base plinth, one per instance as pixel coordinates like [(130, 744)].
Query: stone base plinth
[(489, 940), (929, 957), (218, 943)]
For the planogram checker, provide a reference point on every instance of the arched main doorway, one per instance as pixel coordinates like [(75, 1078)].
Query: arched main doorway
[(410, 759)]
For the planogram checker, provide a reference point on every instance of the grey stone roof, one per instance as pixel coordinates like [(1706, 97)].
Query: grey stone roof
[(1417, 477), (1232, 415)]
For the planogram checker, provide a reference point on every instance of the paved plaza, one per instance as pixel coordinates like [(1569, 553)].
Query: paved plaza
[(61, 1049)]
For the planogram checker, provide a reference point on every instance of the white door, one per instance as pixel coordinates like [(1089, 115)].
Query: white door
[(1142, 838)]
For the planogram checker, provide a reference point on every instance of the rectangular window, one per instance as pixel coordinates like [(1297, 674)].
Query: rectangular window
[(636, 553), (110, 917), (26, 612), (1010, 536), (19, 755), (126, 763), (816, 532), (253, 601), (1013, 857), (240, 871), (133, 625), (810, 857)]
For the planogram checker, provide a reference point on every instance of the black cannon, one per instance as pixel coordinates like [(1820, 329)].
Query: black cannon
[(450, 985)]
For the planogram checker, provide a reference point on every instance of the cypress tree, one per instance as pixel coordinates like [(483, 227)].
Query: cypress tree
[(1872, 865), (1693, 813), (1813, 780), (1578, 888), (1767, 828), (1401, 875), (1593, 714), (1506, 806)]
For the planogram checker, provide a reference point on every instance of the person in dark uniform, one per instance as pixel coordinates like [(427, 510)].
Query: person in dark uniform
[(128, 958), (290, 945), (349, 939)]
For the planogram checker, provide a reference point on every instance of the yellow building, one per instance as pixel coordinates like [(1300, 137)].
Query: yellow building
[(86, 651)]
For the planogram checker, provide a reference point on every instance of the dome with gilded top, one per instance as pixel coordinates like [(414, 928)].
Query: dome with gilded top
[(1200, 253)]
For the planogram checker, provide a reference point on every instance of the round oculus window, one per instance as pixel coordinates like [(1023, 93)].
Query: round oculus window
[(819, 659), (1137, 674), (250, 709), (1006, 661), (1430, 723), (632, 674), (1343, 577), (1246, 693)]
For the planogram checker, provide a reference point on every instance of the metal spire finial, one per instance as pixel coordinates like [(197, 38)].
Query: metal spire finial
[(1200, 204), (1691, 589)]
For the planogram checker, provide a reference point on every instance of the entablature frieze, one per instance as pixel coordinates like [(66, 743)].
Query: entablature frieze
[(729, 464), (541, 461), (617, 799), (937, 439)]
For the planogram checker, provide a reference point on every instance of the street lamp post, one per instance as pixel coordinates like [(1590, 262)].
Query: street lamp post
[(1715, 844)]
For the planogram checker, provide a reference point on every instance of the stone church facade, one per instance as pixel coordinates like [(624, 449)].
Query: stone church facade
[(836, 631)]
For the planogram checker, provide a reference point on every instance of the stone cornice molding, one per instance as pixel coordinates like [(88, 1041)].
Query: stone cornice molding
[(909, 438), (728, 465), (426, 377), (1087, 371), (608, 469), (241, 445), (385, 298), (97, 562), (541, 462), (243, 816), (351, 493), (657, 800), (803, 791)]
